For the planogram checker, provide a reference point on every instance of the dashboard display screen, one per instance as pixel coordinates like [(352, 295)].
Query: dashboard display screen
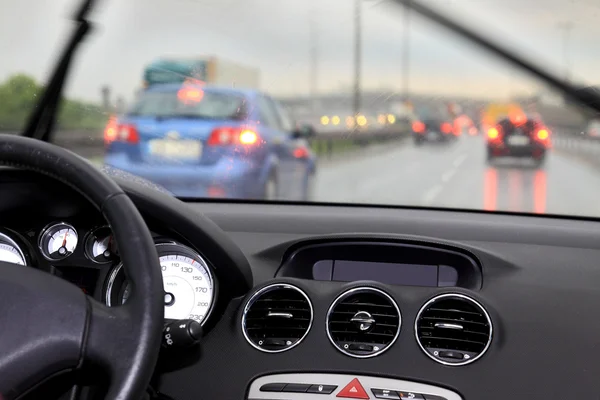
[(388, 273)]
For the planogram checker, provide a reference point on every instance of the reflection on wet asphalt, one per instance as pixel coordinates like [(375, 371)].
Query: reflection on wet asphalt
[(457, 176)]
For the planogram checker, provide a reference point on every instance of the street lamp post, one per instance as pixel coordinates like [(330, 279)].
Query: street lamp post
[(313, 61), (357, 56), (406, 55), (566, 27)]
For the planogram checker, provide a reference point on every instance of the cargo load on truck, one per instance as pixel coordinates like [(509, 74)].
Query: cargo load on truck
[(209, 70)]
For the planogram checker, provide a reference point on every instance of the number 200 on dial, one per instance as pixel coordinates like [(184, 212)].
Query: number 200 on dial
[(188, 287)]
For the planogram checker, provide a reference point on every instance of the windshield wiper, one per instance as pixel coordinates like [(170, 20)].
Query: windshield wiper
[(586, 96), (40, 124), (182, 116)]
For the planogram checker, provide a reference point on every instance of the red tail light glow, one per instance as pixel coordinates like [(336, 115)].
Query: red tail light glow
[(190, 95), (227, 136), (418, 127), (446, 127), (301, 152), (542, 134), (248, 137), (493, 134), (127, 133), (110, 132)]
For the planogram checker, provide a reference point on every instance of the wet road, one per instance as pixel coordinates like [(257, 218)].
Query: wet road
[(457, 176)]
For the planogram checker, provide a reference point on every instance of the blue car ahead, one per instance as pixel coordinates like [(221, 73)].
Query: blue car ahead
[(202, 141)]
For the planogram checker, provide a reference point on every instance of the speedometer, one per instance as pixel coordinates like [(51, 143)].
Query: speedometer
[(188, 287), (10, 251), (187, 279)]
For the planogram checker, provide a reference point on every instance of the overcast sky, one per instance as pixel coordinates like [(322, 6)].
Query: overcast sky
[(274, 36)]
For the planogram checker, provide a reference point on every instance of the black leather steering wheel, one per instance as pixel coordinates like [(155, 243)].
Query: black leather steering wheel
[(48, 325)]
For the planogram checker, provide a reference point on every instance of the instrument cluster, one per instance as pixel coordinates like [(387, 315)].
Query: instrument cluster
[(89, 258)]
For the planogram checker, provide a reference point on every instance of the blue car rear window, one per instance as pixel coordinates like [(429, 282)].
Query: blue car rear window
[(211, 105)]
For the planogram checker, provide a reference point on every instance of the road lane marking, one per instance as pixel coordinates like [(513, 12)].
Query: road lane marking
[(446, 176), (431, 194), (459, 160)]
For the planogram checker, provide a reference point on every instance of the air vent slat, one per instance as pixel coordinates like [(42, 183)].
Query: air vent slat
[(453, 323), (277, 318), (363, 322), (459, 320)]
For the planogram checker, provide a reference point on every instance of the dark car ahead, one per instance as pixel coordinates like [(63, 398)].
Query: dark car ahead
[(433, 127), (526, 137)]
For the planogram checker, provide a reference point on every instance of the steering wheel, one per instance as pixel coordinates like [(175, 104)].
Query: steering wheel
[(49, 325)]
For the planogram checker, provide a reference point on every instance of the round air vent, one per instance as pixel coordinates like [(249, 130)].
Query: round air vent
[(363, 322), (277, 318), (453, 329)]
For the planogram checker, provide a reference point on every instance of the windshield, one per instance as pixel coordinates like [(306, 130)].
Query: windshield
[(334, 101), (191, 102)]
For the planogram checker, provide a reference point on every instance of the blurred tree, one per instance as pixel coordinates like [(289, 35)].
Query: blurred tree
[(19, 94)]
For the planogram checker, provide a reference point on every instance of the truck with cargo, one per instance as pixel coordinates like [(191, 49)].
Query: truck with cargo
[(209, 70)]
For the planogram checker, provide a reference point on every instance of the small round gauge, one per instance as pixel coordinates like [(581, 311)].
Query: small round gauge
[(187, 279), (58, 241), (10, 251), (100, 246)]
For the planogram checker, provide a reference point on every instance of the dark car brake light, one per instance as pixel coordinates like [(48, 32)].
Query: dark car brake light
[(418, 127), (446, 127), (542, 134), (493, 134), (301, 152)]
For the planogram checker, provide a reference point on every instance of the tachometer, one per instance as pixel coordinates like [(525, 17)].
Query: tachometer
[(10, 251), (188, 282), (58, 241)]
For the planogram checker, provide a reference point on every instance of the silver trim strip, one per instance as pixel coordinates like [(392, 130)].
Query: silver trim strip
[(463, 297), (353, 291), (448, 326), (110, 283), (280, 314), (255, 297), (4, 237), (341, 380)]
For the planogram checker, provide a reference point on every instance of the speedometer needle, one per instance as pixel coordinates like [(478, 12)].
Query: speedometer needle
[(64, 243)]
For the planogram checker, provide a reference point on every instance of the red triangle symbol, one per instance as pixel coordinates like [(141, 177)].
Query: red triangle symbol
[(353, 390)]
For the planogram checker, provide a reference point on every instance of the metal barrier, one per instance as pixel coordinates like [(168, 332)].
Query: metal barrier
[(90, 143), (326, 144), (575, 142)]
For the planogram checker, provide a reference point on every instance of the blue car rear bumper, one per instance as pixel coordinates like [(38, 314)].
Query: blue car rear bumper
[(228, 178)]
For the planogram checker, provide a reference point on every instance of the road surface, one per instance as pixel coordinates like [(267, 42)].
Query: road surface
[(457, 176)]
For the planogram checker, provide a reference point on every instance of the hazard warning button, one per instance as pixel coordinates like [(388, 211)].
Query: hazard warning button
[(353, 390)]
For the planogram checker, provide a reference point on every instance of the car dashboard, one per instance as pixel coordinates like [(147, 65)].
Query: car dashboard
[(341, 301)]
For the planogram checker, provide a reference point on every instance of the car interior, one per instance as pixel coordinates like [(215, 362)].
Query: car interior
[(288, 300)]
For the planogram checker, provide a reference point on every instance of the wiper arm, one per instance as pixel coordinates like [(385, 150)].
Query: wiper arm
[(585, 96), (41, 122), (182, 116)]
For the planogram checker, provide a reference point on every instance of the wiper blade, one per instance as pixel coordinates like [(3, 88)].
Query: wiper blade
[(182, 116), (40, 124), (587, 97)]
